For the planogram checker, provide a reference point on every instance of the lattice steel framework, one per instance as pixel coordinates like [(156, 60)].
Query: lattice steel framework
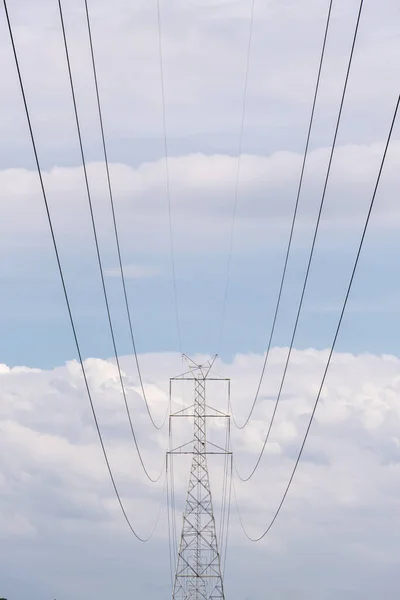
[(198, 572)]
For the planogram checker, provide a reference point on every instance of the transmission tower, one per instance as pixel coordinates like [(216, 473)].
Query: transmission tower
[(198, 569)]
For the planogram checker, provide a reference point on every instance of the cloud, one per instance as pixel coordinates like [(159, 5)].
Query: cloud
[(202, 190), (53, 479)]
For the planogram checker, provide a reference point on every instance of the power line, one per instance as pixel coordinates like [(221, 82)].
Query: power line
[(171, 552), (174, 541), (289, 245), (63, 284), (160, 509), (256, 539), (239, 162), (226, 508), (311, 252), (228, 513), (77, 122), (111, 196), (226, 492), (172, 535), (167, 176)]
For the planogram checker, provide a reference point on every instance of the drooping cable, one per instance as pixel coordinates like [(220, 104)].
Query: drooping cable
[(172, 565), (160, 509), (114, 218), (167, 176), (172, 533), (258, 538), (99, 260), (292, 228), (173, 503), (228, 513), (223, 495), (226, 490), (311, 252), (226, 503), (63, 284), (238, 165)]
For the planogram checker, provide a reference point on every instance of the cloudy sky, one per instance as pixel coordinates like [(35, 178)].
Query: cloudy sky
[(62, 535)]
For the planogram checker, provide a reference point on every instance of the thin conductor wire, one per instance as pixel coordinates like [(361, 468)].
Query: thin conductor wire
[(172, 493), (239, 162), (311, 254), (160, 509), (258, 538), (225, 519), (172, 535), (229, 514), (153, 480), (172, 566), (167, 176), (63, 284), (225, 502), (289, 245), (111, 196)]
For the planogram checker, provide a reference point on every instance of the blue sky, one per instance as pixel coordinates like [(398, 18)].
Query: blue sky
[(37, 332), (32, 311)]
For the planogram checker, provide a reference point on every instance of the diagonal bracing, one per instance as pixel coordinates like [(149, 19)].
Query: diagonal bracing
[(198, 573)]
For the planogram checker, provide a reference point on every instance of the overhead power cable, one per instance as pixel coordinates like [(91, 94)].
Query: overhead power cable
[(238, 165), (173, 542), (228, 479), (99, 261), (171, 545), (226, 491), (111, 196), (258, 538), (289, 245), (310, 255), (229, 513), (63, 284), (167, 176)]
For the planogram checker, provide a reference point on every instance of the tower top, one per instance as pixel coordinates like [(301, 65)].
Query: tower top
[(202, 369), (199, 371)]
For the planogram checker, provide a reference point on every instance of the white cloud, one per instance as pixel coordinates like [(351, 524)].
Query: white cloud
[(202, 195), (346, 488)]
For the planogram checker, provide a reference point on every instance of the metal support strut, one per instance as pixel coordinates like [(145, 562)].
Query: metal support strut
[(198, 572)]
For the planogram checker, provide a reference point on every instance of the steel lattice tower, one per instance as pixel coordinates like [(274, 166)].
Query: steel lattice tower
[(198, 573)]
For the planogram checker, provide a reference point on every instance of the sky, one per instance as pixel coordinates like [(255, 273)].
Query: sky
[(60, 525)]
